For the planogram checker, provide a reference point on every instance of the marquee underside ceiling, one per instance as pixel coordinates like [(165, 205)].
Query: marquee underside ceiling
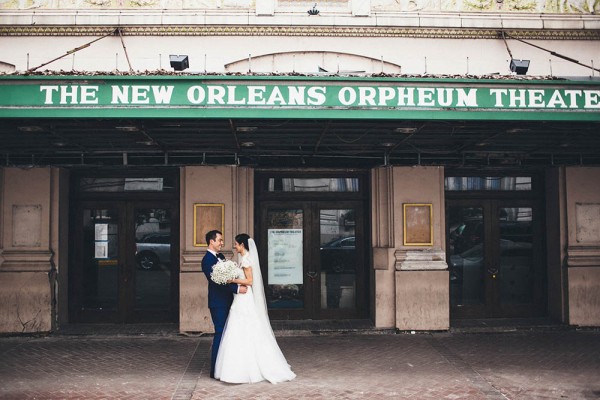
[(295, 143)]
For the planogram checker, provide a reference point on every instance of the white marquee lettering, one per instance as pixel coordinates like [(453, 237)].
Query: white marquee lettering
[(276, 97), (296, 95), (572, 95), (256, 95), (536, 98), (498, 95), (444, 97), (216, 95), (425, 96), (347, 96), (386, 94), (406, 96), (68, 92), (196, 94), (48, 90), (231, 94), (466, 98), (316, 95), (120, 94), (366, 96), (88, 95), (515, 97), (556, 100), (162, 94), (377, 95), (139, 94), (592, 98)]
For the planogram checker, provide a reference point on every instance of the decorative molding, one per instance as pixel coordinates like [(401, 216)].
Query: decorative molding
[(191, 261), (420, 260), (325, 31), (583, 256), (26, 261)]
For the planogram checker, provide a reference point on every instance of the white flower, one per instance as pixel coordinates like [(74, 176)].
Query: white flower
[(223, 271)]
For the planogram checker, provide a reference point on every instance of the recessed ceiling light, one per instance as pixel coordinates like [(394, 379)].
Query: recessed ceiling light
[(247, 144), (517, 130), (127, 128), (387, 144), (59, 144), (246, 129), (405, 130), (30, 129)]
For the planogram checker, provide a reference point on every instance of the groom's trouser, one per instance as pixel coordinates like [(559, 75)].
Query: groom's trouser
[(219, 317)]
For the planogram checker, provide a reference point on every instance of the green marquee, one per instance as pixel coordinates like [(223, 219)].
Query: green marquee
[(191, 96)]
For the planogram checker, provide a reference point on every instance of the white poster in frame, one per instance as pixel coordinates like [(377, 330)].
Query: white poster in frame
[(285, 256)]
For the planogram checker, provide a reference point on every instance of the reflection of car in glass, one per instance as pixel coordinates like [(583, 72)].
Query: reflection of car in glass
[(285, 292), (470, 233), (152, 250), (471, 261), (466, 235), (339, 254)]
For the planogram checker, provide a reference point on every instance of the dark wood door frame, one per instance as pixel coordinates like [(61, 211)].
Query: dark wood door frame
[(125, 311), (492, 307)]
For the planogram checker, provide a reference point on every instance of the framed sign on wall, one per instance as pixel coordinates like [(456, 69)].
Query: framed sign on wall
[(418, 220), (206, 218)]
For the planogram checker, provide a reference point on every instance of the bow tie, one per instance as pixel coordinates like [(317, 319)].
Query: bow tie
[(220, 256)]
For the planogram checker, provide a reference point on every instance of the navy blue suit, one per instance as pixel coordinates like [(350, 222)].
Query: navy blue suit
[(220, 298)]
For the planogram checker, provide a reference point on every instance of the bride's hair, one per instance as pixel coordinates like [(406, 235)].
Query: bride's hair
[(242, 238)]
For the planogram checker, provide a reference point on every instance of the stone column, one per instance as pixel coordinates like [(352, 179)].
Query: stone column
[(28, 227), (383, 298), (421, 272), (228, 185), (583, 244)]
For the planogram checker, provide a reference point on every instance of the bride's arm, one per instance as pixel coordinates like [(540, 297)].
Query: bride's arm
[(248, 280)]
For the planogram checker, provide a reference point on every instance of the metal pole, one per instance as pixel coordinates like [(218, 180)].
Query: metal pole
[(125, 49), (71, 52)]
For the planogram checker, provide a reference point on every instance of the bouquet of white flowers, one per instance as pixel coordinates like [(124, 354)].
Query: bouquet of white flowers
[(223, 271)]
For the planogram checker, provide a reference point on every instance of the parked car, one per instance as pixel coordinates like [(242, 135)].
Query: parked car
[(152, 250)]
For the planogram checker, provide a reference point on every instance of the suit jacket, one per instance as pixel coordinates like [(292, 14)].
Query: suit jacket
[(218, 295)]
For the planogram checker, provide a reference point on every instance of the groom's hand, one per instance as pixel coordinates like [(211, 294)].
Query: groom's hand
[(242, 289)]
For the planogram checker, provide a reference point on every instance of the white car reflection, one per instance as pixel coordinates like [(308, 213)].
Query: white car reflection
[(154, 249), (512, 254)]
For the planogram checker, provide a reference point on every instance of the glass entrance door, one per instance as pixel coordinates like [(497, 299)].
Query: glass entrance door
[(124, 262), (494, 257), (340, 262), (314, 259)]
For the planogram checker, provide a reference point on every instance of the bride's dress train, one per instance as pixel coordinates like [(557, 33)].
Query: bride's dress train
[(249, 352)]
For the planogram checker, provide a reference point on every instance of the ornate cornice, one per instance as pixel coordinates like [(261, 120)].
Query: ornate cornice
[(325, 31)]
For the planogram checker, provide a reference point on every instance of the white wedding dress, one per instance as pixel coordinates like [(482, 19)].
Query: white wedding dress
[(249, 352)]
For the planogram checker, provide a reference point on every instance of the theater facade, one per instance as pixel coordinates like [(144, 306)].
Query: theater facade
[(385, 169)]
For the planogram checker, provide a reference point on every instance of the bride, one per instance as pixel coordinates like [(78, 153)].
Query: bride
[(249, 352)]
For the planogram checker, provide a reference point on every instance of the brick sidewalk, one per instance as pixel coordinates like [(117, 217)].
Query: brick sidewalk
[(519, 365)]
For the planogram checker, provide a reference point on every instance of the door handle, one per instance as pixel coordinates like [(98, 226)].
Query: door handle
[(493, 271)]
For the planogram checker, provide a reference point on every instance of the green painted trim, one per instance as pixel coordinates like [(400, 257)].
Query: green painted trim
[(189, 113)]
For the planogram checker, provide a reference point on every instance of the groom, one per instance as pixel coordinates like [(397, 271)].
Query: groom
[(220, 297)]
